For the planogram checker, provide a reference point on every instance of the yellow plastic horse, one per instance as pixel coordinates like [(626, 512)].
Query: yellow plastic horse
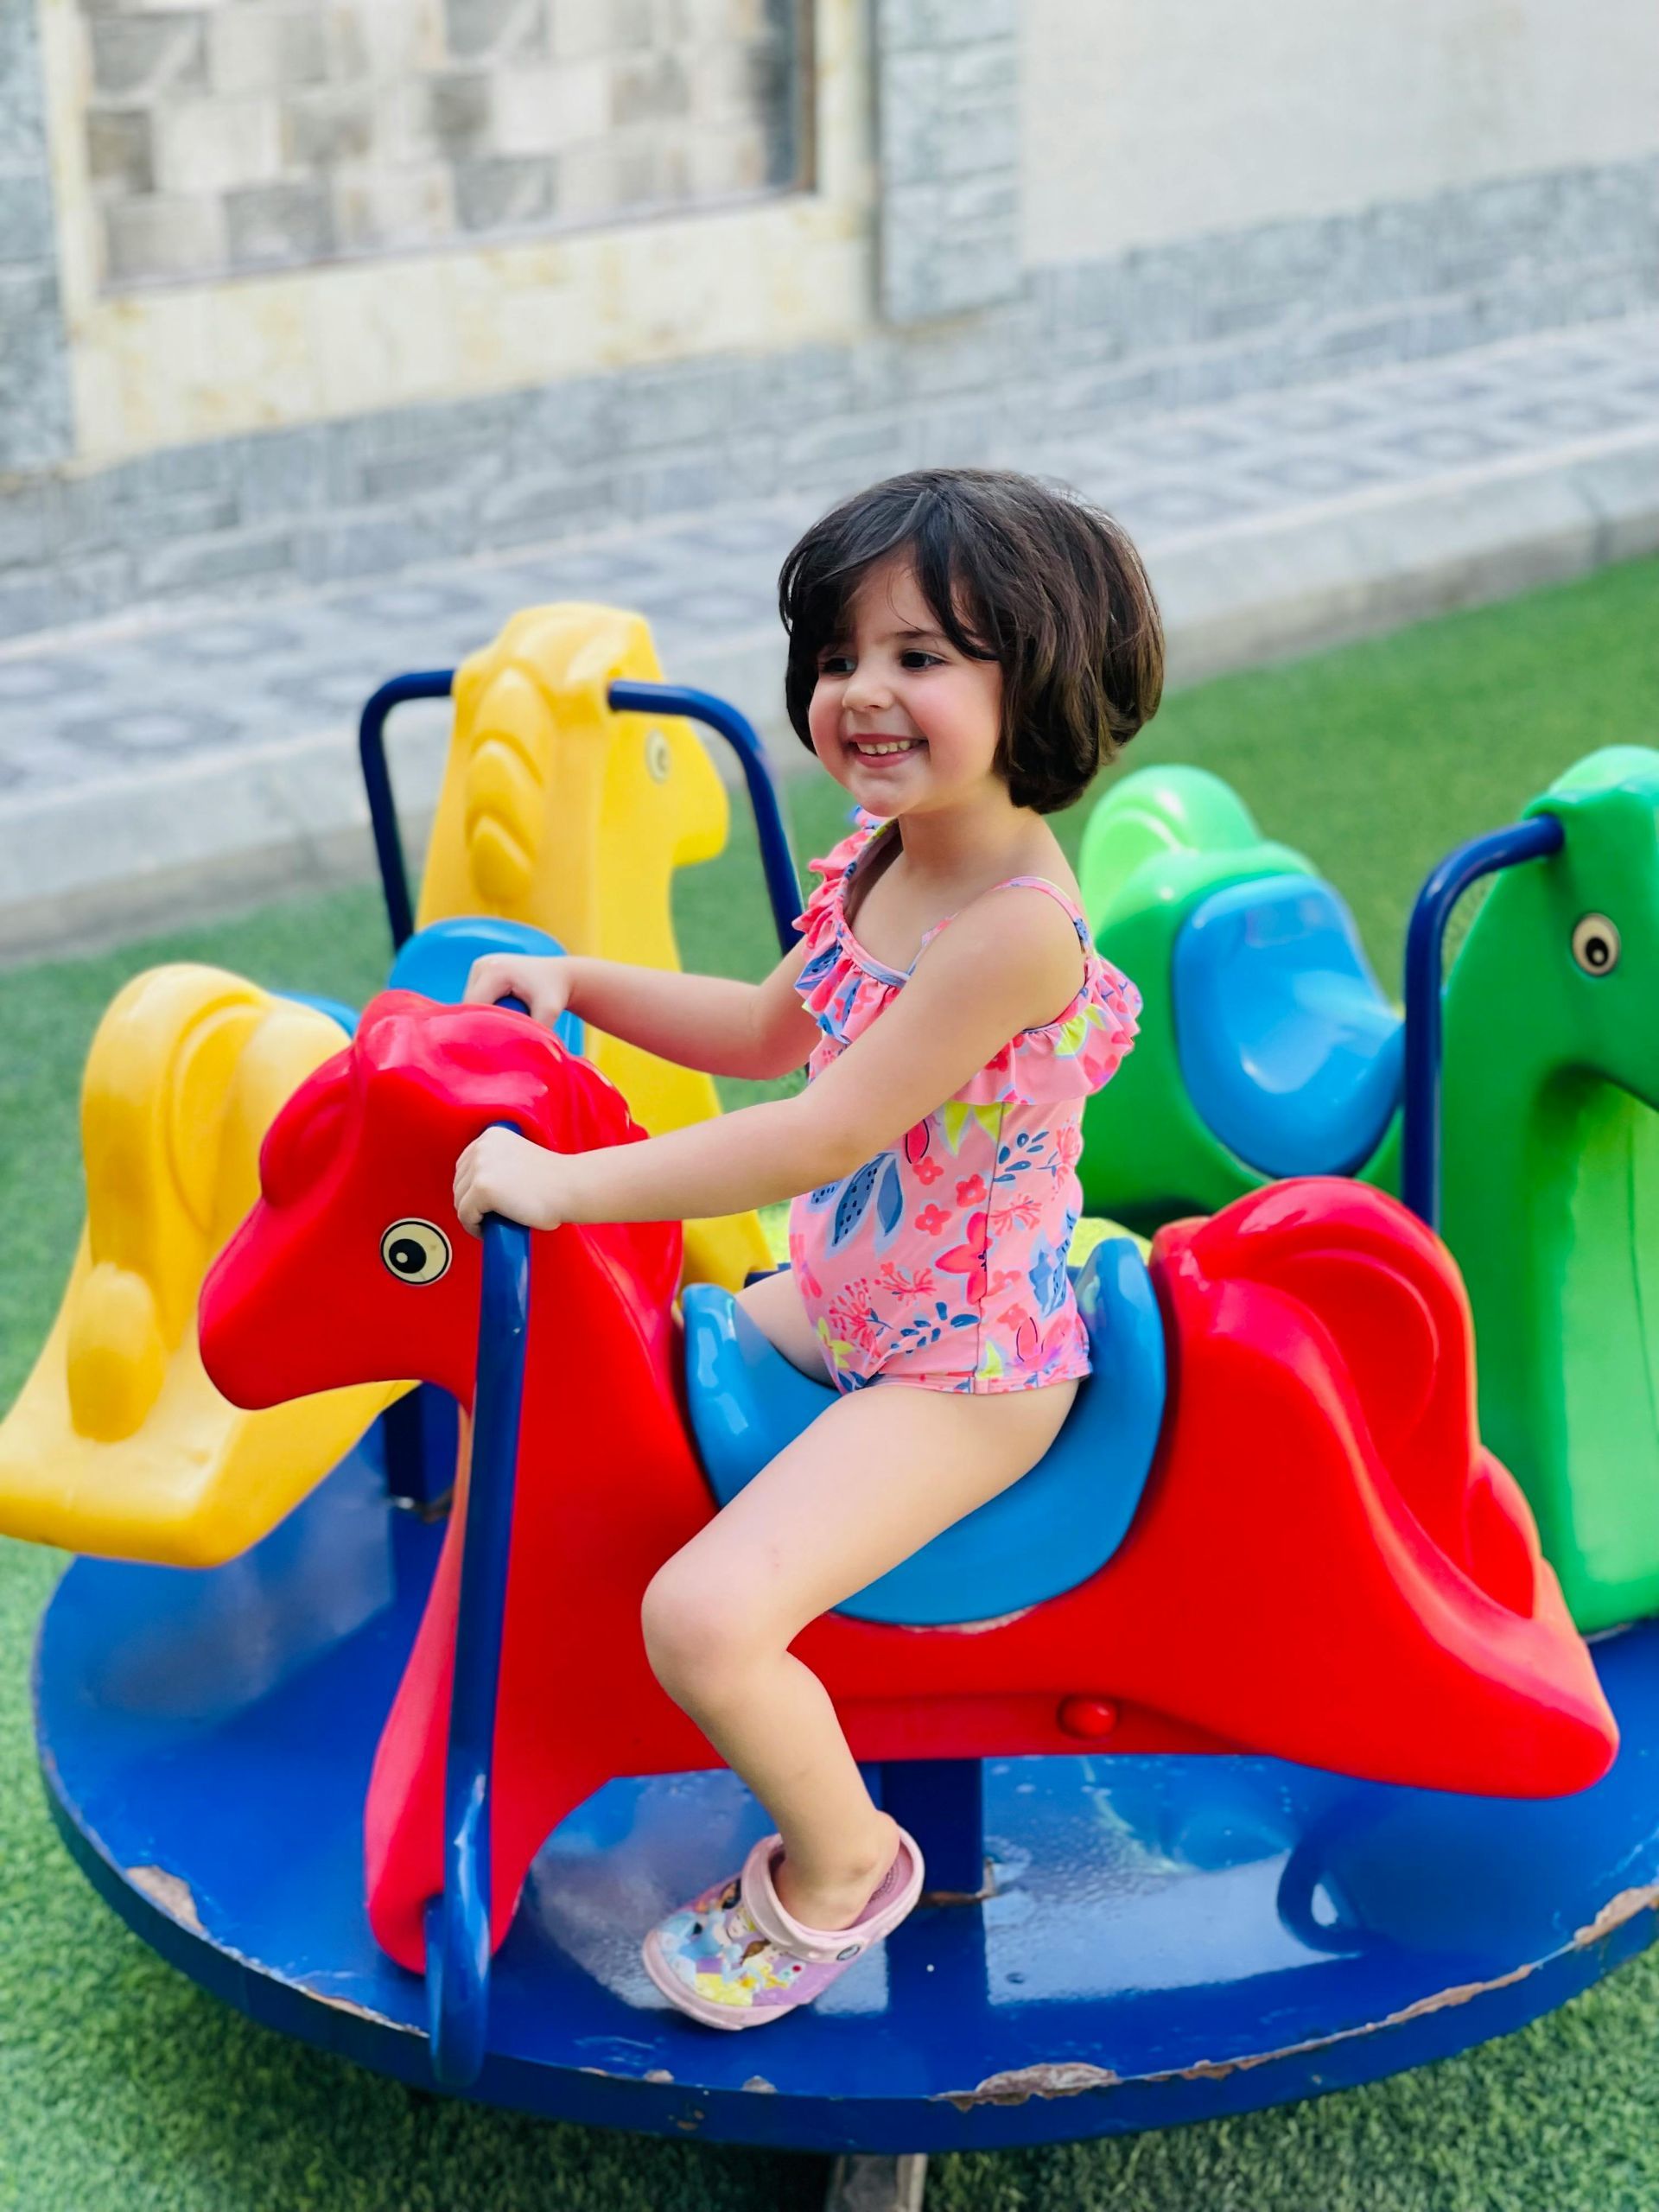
[(119, 1443)]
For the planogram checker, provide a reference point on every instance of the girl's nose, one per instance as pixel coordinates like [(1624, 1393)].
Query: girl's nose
[(865, 691)]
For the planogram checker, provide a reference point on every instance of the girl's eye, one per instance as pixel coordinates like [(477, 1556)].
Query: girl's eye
[(915, 657), (836, 664)]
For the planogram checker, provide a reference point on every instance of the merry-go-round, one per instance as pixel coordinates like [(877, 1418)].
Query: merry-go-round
[(1253, 1741)]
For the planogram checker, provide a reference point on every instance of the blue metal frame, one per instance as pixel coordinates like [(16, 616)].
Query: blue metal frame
[(1420, 1174), (419, 1435), (783, 879), (458, 1922), (429, 683), (421, 1432)]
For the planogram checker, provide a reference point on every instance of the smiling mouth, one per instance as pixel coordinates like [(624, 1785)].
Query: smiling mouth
[(885, 748)]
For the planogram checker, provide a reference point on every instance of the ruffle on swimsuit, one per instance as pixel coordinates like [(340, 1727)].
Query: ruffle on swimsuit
[(845, 989), (942, 1262)]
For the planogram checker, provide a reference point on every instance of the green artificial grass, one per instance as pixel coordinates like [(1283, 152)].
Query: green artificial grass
[(121, 2086)]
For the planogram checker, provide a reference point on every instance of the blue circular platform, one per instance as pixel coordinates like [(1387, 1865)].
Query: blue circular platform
[(1169, 1939)]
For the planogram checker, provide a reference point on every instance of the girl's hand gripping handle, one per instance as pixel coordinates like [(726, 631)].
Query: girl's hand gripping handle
[(543, 986), (501, 1172)]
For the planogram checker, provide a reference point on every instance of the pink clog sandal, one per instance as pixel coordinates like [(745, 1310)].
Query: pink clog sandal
[(734, 1958)]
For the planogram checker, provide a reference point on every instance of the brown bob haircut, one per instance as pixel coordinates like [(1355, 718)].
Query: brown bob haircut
[(1015, 571)]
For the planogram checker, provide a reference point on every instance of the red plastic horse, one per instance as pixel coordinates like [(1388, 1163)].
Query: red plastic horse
[(1326, 1565)]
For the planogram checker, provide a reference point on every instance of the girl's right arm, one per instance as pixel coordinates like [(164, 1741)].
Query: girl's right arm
[(709, 1022)]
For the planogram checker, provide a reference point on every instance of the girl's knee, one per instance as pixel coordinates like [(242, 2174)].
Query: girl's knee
[(696, 1634)]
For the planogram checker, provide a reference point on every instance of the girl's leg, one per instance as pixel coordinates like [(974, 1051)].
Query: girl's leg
[(877, 1475)]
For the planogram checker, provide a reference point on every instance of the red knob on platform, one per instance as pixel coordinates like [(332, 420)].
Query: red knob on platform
[(1088, 1717)]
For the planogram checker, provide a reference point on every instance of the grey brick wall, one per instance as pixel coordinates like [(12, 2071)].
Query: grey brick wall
[(1077, 351), (240, 134), (35, 420), (948, 143)]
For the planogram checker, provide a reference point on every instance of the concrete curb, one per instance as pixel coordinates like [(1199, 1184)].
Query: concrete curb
[(1326, 575), (99, 863)]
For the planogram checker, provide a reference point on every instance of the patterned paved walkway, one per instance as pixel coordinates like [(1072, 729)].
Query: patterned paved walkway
[(90, 713)]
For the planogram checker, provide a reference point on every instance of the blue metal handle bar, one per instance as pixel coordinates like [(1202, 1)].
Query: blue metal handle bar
[(783, 881), (458, 1923), (1420, 1171), (431, 683)]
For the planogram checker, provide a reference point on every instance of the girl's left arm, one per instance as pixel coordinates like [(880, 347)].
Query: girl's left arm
[(1010, 962)]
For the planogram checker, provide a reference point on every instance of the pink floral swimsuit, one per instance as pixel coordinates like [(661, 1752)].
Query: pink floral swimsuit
[(943, 1262)]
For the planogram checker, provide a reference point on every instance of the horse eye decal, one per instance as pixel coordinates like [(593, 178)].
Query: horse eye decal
[(658, 759), (1595, 946), (416, 1251)]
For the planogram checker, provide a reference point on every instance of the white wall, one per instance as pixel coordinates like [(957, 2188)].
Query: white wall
[(1150, 120)]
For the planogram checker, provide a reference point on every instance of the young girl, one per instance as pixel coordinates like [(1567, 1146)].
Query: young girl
[(966, 647)]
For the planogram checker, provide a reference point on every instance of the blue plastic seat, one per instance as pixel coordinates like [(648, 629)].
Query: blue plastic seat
[(1052, 1529), (435, 961), (1289, 1049)]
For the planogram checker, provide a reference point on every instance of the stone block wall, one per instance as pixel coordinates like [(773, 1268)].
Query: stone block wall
[(236, 136), (34, 427), (1077, 352), (948, 139)]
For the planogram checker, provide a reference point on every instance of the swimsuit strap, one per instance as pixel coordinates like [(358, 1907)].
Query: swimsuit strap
[(1025, 883), (1041, 883)]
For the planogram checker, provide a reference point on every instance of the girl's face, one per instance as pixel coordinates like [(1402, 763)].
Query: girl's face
[(898, 717)]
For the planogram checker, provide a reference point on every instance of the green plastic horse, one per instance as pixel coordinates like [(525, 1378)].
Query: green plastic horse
[(1550, 1144)]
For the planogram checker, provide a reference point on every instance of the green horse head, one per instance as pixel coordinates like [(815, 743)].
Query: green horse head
[(1551, 1177)]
